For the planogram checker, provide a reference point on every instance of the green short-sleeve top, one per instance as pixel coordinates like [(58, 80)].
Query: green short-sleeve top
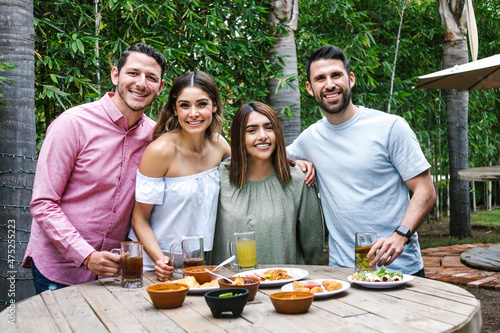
[(287, 220)]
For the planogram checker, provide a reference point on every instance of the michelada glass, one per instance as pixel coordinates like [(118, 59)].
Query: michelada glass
[(364, 243), (131, 264), (192, 252), (245, 250)]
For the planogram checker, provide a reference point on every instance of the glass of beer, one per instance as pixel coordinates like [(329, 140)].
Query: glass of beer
[(192, 252), (131, 264), (246, 250), (364, 243)]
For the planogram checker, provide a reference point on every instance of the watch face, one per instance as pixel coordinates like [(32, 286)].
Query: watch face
[(404, 231)]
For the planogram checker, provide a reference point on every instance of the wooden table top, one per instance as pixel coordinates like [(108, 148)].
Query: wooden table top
[(421, 305), (483, 174)]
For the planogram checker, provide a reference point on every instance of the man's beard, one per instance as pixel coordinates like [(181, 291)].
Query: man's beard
[(122, 92), (336, 108)]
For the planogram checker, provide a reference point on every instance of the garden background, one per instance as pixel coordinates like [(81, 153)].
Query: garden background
[(231, 41)]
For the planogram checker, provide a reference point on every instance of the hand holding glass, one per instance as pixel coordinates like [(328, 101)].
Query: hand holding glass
[(364, 243), (192, 252), (131, 264)]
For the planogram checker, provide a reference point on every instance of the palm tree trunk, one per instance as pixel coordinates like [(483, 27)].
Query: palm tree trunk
[(288, 95), (455, 53), (17, 147)]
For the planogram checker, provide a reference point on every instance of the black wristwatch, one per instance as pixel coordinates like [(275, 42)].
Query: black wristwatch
[(403, 231)]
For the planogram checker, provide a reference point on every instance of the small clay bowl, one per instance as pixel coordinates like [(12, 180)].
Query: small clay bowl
[(168, 295), (292, 302), (200, 274), (251, 284), (233, 304)]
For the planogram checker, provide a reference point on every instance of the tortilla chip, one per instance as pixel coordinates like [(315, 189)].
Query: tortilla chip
[(210, 284), (190, 281)]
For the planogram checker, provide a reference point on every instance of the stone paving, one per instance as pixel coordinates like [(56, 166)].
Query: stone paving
[(443, 264)]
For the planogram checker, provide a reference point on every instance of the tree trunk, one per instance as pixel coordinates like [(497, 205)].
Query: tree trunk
[(288, 95), (453, 14), (17, 147)]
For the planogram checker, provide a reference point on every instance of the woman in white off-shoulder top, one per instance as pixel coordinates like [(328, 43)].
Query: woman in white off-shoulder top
[(177, 182)]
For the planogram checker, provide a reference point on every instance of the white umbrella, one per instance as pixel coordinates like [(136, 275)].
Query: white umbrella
[(480, 74)]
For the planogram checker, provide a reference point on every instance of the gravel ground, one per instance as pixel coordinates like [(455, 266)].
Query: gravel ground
[(490, 308)]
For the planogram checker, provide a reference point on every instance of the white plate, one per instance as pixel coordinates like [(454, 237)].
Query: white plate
[(295, 273), (345, 286), (406, 278), (196, 291)]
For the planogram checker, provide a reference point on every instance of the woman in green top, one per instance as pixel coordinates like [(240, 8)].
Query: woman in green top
[(263, 191)]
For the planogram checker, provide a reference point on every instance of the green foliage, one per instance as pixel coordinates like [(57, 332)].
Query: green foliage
[(228, 39), (487, 218)]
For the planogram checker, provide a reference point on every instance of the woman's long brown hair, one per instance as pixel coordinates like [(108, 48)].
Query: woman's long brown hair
[(239, 162), (167, 120)]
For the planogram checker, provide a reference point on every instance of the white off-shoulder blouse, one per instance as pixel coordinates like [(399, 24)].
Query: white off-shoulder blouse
[(183, 206)]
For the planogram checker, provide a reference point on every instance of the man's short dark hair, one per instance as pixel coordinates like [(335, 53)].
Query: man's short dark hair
[(327, 52), (146, 49)]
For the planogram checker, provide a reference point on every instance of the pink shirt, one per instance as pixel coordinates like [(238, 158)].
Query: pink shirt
[(83, 193)]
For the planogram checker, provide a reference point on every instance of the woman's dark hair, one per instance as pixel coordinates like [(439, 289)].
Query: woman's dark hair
[(168, 121), (239, 162)]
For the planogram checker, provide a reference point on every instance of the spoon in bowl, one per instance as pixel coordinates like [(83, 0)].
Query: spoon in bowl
[(220, 276)]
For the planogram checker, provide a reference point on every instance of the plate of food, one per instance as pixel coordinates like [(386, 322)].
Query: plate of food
[(320, 288), (196, 288), (382, 278), (272, 277)]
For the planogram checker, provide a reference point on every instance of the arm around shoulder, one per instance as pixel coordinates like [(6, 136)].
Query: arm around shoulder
[(311, 225)]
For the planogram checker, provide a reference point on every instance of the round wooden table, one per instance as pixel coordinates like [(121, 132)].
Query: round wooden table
[(421, 305)]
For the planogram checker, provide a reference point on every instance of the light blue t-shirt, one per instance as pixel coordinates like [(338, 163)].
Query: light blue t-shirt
[(361, 166)]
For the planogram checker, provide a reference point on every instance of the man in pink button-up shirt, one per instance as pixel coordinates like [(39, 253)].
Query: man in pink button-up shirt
[(83, 193)]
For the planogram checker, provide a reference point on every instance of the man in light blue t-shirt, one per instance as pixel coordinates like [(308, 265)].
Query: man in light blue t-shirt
[(365, 162)]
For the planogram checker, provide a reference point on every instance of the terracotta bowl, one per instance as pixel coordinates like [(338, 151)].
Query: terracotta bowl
[(251, 284), (233, 304), (292, 302), (200, 274), (167, 295)]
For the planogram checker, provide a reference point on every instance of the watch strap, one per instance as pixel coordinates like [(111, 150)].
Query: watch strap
[(404, 231)]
